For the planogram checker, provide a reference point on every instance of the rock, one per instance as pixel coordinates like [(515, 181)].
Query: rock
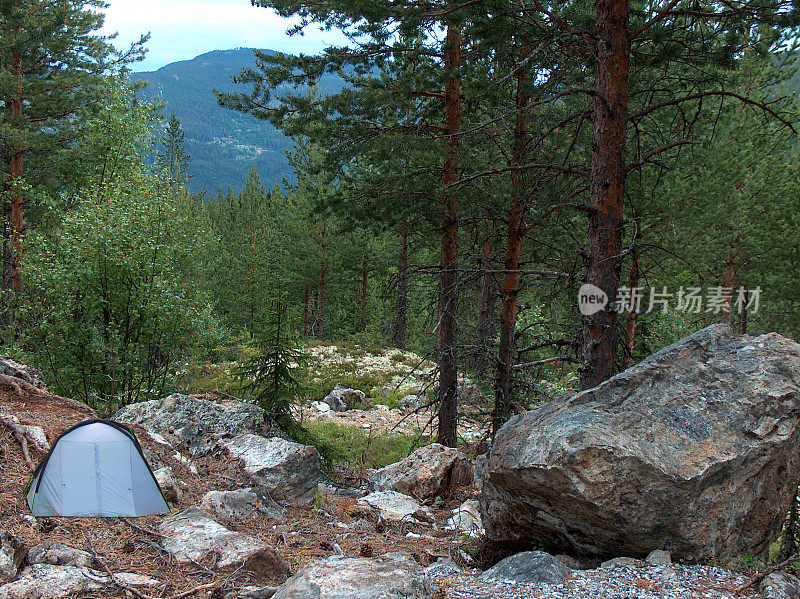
[(390, 576), (193, 535), (466, 518), (481, 463), (58, 554), (696, 450), (320, 406), (780, 585), (529, 566), (395, 507), (442, 568), (428, 471), (411, 403), (252, 592), (195, 423), (623, 562), (29, 374), (12, 554), (240, 504), (288, 471), (658, 557), (45, 581), (341, 398), (169, 484)]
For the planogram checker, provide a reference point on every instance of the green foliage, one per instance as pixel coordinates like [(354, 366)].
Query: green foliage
[(363, 449), (113, 311)]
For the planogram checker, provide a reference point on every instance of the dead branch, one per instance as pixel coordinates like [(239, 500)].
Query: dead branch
[(757, 579)]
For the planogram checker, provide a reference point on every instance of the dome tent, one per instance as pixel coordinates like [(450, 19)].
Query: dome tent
[(96, 468)]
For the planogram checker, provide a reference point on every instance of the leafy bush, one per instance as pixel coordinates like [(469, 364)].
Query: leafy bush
[(113, 304)]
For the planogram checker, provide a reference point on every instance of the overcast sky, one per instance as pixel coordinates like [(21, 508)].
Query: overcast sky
[(182, 29)]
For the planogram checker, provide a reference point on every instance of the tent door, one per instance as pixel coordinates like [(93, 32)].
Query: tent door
[(96, 478)]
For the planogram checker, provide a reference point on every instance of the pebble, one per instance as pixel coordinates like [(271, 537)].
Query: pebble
[(622, 582)]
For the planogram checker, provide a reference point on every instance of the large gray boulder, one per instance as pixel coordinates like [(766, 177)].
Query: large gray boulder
[(193, 536), (12, 555), (45, 581), (390, 576), (428, 471), (288, 471), (29, 374), (529, 566), (195, 423), (696, 451), (341, 398)]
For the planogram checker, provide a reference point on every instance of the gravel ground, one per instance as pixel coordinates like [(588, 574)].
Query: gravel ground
[(622, 582)]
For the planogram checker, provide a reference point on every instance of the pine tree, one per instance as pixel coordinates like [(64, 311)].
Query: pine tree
[(175, 157), (57, 63)]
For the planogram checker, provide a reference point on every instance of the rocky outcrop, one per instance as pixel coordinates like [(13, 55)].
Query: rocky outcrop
[(428, 471), (341, 399), (193, 535), (196, 424), (529, 566), (695, 451), (58, 554), (45, 581), (12, 555), (288, 471), (239, 505), (390, 576), (411, 403), (395, 507)]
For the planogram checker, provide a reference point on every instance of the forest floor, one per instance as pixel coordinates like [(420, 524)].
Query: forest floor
[(300, 535)]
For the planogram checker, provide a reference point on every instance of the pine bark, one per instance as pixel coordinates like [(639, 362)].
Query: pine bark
[(504, 386), (401, 313), (364, 275), (607, 184), (485, 328), (448, 292)]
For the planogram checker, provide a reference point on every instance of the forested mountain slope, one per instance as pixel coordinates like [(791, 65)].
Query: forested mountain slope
[(222, 143)]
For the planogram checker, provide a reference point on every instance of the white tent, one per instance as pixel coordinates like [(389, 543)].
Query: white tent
[(96, 468)]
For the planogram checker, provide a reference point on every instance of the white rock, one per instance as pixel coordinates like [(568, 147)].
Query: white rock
[(466, 518), (320, 406), (389, 576), (58, 554), (193, 535), (288, 471), (428, 471), (12, 554), (45, 581), (169, 484), (395, 507), (240, 504)]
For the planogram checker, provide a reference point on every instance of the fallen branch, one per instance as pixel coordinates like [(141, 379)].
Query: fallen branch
[(757, 579), (23, 437)]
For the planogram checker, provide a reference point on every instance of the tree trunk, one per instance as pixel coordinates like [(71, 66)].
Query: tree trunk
[(305, 311), (730, 278), (633, 315), (402, 290), (14, 209), (743, 313), (323, 267), (607, 184), (504, 387), (364, 273), (448, 292), (486, 318)]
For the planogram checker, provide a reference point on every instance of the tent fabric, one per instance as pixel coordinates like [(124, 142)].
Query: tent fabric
[(96, 468)]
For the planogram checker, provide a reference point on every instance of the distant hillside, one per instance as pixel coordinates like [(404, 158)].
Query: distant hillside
[(222, 143)]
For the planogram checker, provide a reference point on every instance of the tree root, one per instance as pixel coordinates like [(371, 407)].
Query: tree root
[(23, 437), (21, 386)]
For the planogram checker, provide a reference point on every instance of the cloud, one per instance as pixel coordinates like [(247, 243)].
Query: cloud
[(182, 29)]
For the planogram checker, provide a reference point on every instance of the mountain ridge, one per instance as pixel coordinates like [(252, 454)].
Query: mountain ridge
[(221, 143)]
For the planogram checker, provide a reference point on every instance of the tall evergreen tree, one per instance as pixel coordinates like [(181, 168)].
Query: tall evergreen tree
[(175, 158)]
